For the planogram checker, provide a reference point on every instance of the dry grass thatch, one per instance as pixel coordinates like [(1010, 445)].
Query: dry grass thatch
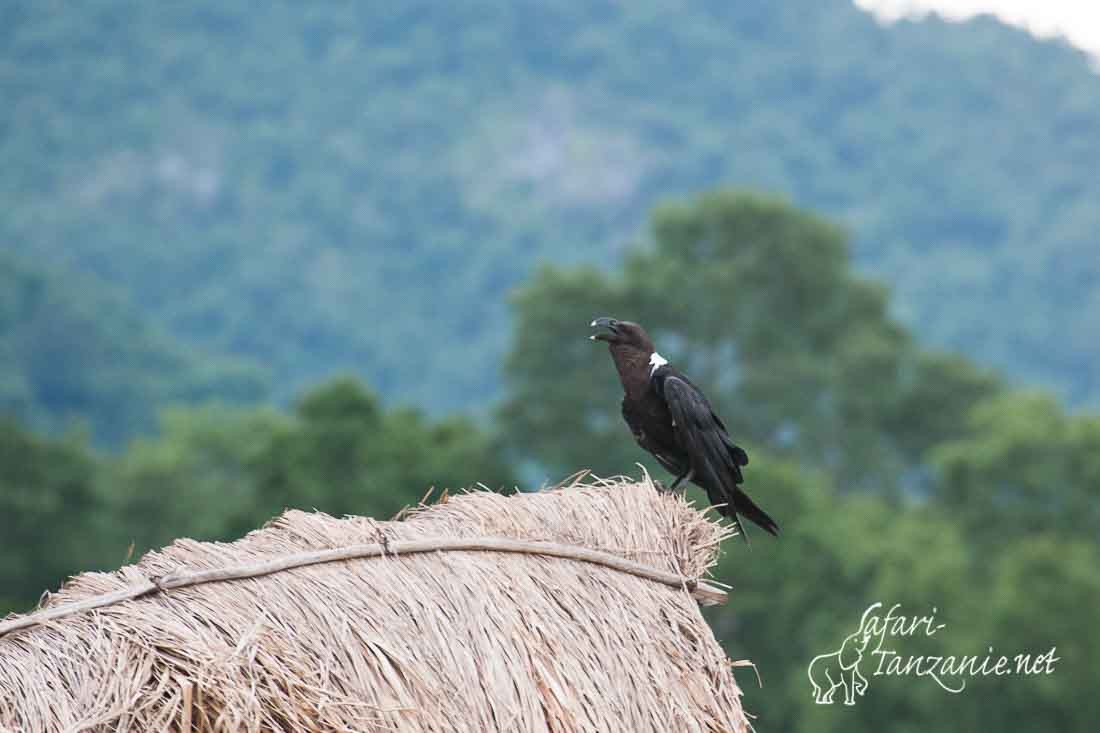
[(439, 641)]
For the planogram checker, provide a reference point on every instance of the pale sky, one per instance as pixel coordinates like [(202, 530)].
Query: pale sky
[(1077, 20)]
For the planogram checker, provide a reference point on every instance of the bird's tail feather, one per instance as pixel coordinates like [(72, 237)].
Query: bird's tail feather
[(740, 503)]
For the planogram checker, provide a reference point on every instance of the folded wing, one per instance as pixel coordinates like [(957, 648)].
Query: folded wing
[(715, 459), (702, 434)]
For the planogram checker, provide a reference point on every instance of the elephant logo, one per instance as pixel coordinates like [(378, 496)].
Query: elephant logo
[(840, 669)]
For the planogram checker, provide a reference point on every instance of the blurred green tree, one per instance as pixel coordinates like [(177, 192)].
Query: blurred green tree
[(897, 474), (48, 512), (1023, 466), (196, 478), (755, 300), (215, 472), (793, 599), (840, 552)]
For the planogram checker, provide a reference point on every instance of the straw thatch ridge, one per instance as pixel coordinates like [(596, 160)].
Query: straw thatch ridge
[(455, 641)]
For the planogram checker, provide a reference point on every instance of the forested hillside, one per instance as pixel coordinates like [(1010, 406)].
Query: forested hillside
[(358, 185), (74, 355)]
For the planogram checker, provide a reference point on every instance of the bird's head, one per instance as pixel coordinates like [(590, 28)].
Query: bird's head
[(621, 333)]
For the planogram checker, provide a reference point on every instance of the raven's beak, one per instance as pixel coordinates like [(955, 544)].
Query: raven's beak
[(610, 324)]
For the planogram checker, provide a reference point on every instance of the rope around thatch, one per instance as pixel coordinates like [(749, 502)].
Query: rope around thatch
[(430, 641), (706, 594)]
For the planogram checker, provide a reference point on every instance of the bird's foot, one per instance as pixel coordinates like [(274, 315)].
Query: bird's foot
[(662, 489)]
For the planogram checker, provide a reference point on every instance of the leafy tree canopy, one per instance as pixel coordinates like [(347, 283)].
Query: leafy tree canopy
[(1023, 465), (217, 472), (756, 301), (47, 517), (973, 499)]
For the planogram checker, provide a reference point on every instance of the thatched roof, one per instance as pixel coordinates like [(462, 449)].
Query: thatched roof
[(437, 641)]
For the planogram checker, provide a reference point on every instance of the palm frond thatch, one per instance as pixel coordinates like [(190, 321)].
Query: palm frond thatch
[(436, 641)]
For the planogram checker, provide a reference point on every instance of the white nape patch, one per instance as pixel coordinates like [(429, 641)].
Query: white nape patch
[(656, 361)]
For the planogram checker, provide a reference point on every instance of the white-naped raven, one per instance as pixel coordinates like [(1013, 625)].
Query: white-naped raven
[(672, 419)]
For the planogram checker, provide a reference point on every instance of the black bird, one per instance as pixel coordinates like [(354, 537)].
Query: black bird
[(672, 419)]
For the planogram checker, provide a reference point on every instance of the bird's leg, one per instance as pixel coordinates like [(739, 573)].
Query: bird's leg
[(741, 530), (681, 478)]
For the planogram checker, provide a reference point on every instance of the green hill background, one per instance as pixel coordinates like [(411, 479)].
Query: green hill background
[(74, 355), (358, 186)]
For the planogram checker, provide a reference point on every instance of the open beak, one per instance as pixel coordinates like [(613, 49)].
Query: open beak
[(609, 328)]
